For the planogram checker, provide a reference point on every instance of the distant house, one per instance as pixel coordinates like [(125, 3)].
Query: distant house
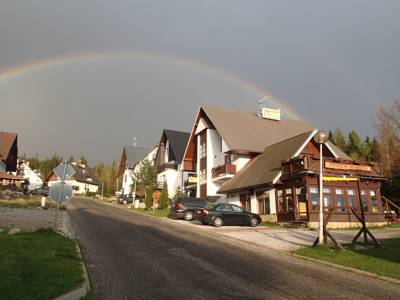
[(169, 161), (224, 140), (33, 179), (82, 182), (281, 184), (8, 160), (8, 151), (130, 163)]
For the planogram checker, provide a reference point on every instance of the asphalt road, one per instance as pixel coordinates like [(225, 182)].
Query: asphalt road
[(132, 256)]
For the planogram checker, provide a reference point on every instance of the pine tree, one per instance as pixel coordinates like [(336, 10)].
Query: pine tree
[(148, 200), (164, 196), (146, 175), (365, 149), (178, 194), (331, 137), (339, 139), (354, 145)]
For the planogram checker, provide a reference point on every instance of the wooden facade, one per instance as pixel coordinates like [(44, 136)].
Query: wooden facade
[(345, 184)]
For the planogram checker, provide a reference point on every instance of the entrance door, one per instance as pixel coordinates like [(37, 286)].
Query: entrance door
[(302, 210)]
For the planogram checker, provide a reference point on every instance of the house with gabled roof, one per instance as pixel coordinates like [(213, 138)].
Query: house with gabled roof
[(169, 162), (223, 140), (8, 151), (281, 184), (82, 181), (130, 163)]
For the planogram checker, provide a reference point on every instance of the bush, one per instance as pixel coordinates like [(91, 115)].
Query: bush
[(148, 200)]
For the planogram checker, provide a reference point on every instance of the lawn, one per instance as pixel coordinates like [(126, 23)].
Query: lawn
[(384, 261), (38, 265), (156, 213)]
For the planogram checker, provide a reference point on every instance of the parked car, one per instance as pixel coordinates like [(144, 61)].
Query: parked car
[(228, 214), (187, 208), (44, 190), (125, 199)]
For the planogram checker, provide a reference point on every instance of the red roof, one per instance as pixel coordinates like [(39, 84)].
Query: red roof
[(7, 139)]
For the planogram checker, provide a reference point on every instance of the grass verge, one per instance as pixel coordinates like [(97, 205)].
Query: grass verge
[(384, 261), (156, 213), (38, 265)]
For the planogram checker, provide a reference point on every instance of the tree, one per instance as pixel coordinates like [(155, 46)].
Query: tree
[(179, 193), (339, 139), (83, 160), (387, 124), (148, 199), (354, 145), (70, 159), (146, 175), (164, 200)]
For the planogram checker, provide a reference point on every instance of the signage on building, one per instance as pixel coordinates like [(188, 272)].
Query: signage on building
[(332, 178), (192, 179), (270, 113), (347, 167)]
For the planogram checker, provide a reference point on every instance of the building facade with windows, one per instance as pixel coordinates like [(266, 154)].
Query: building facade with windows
[(223, 141), (282, 184)]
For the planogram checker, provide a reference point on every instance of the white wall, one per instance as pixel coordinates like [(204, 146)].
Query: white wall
[(78, 187), (173, 179), (34, 179), (240, 161), (214, 158), (127, 181)]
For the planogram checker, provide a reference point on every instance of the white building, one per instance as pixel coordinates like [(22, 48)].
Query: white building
[(32, 176), (224, 140), (130, 163), (169, 161), (82, 182)]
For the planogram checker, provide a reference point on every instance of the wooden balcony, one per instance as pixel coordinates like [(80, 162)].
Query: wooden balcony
[(221, 170)]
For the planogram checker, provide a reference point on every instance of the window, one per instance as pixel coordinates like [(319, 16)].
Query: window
[(203, 176), (203, 150), (364, 200), (228, 159), (351, 196), (289, 200), (263, 203), (223, 207), (327, 198), (340, 200), (314, 198), (281, 206), (374, 201), (236, 208)]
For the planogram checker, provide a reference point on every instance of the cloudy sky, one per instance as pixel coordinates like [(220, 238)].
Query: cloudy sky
[(85, 77)]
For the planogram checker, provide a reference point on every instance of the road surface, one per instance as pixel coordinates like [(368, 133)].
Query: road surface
[(132, 256)]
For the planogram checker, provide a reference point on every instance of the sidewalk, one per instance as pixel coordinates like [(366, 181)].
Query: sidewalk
[(285, 239)]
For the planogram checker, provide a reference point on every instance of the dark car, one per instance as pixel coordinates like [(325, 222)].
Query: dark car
[(44, 191), (125, 199), (187, 208), (228, 214)]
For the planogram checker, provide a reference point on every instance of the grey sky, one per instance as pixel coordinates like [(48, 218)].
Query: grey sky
[(332, 62)]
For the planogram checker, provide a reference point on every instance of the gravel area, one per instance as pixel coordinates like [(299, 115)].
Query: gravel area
[(33, 219)]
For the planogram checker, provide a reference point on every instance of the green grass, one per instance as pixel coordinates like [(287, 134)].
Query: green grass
[(384, 261), (38, 265), (156, 213)]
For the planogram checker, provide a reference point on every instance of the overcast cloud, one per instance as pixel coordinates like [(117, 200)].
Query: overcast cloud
[(332, 62)]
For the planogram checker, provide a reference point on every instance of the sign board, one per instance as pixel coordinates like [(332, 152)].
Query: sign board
[(270, 113), (64, 171), (347, 167), (332, 178), (60, 192), (192, 179)]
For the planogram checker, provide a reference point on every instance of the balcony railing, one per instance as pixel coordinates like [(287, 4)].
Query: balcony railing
[(223, 169)]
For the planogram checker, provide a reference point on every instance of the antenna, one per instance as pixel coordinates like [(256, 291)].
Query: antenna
[(261, 104)]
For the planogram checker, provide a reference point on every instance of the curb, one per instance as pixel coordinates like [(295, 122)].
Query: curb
[(82, 291), (349, 269)]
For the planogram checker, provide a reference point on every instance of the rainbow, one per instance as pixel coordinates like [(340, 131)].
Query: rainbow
[(42, 65)]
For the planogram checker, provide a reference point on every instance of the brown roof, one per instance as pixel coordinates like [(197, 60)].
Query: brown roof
[(7, 176), (7, 139), (264, 168), (247, 131)]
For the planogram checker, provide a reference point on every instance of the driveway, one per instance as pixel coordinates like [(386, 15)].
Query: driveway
[(284, 239), (132, 256)]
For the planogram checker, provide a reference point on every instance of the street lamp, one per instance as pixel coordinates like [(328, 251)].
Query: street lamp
[(321, 138)]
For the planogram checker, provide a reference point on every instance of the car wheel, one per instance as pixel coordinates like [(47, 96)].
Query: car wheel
[(188, 216), (218, 222), (253, 222)]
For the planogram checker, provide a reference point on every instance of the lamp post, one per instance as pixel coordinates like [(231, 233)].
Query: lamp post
[(321, 138)]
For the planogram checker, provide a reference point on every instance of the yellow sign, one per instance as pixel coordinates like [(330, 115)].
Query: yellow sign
[(192, 179), (330, 178), (270, 113), (347, 167)]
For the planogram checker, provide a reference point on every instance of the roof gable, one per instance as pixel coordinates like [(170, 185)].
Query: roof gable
[(7, 140), (134, 155), (177, 142)]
